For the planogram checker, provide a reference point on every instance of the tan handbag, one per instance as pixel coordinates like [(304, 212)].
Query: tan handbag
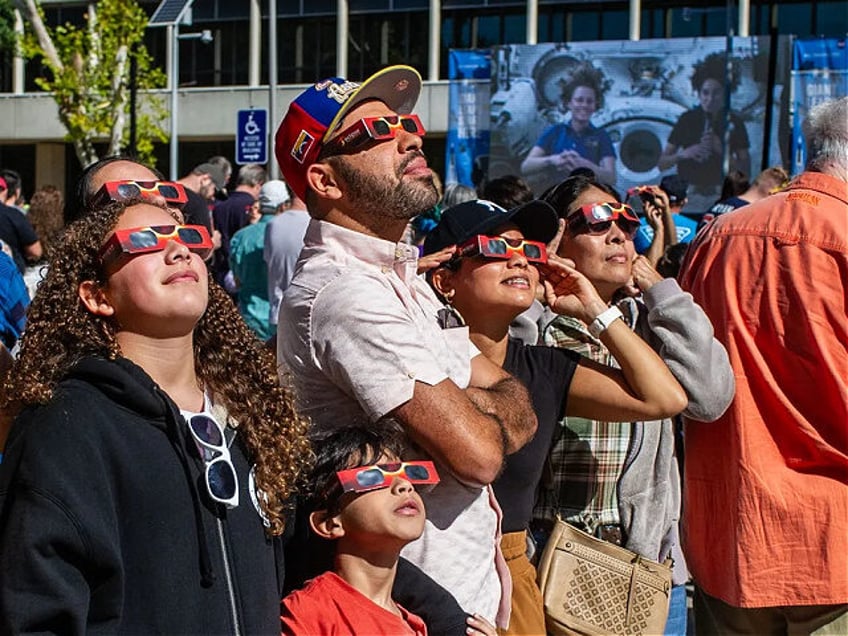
[(597, 588)]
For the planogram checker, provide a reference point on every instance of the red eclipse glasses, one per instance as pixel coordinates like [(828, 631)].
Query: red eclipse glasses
[(373, 129), (503, 248), (141, 240), (640, 190), (597, 218), (365, 478), (174, 194)]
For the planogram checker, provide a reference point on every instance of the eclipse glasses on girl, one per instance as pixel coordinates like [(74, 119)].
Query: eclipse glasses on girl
[(173, 193), (155, 238), (371, 129), (374, 477), (502, 248), (597, 218)]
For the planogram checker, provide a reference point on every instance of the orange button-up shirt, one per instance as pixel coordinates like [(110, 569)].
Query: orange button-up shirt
[(766, 487)]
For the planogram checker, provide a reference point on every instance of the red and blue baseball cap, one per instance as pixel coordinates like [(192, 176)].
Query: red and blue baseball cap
[(314, 116)]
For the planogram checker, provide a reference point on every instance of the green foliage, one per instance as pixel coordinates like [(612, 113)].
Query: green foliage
[(90, 82), (8, 38)]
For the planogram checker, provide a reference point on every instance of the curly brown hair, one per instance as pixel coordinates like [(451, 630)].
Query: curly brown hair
[(230, 362), (47, 215), (588, 75)]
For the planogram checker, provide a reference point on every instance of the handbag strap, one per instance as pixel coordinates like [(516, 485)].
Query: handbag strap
[(631, 594)]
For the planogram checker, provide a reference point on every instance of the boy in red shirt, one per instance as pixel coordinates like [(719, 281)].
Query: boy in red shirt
[(364, 499)]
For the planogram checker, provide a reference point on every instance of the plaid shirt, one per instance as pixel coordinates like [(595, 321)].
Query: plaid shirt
[(587, 456)]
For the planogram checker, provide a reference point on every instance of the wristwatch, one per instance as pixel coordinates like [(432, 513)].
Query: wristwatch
[(604, 320)]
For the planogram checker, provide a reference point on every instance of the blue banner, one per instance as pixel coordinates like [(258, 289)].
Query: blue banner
[(819, 73), (467, 147)]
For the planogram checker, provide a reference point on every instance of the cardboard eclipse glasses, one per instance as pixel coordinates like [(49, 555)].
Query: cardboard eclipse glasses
[(376, 476), (173, 193), (155, 238), (373, 129)]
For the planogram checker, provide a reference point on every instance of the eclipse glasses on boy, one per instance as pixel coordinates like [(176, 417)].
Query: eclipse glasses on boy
[(174, 194), (376, 476), (373, 129), (155, 238), (500, 247), (597, 218)]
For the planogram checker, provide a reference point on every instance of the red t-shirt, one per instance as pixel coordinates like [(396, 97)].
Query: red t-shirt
[(329, 606)]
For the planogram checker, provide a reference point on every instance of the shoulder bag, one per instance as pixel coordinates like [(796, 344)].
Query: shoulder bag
[(593, 587)]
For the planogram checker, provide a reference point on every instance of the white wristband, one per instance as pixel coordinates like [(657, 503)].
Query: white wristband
[(604, 320)]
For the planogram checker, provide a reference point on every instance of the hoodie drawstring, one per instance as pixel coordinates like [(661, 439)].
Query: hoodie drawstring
[(207, 574)]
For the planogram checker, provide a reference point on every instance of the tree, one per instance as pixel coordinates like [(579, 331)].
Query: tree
[(88, 74), (7, 26)]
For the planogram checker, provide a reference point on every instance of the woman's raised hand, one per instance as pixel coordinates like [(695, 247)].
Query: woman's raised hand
[(569, 292)]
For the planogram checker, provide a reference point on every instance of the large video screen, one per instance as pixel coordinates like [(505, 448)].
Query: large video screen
[(634, 111)]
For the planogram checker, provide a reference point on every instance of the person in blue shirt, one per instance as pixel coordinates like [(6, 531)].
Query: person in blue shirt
[(14, 301), (576, 143), (662, 224)]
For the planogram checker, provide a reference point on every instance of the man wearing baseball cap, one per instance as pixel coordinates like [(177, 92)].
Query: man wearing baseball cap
[(358, 334)]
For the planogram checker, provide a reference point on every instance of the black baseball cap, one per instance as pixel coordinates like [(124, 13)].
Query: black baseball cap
[(675, 187), (536, 219)]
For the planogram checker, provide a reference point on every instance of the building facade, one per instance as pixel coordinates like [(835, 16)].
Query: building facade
[(231, 72)]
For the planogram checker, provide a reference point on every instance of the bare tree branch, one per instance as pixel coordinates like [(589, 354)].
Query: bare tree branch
[(29, 9)]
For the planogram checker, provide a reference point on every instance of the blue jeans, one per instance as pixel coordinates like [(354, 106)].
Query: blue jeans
[(675, 624)]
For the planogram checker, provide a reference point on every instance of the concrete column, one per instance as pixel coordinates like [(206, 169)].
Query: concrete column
[(532, 21), (18, 61), (635, 19), (169, 54), (273, 115), (298, 53), (435, 41), (342, 29), (744, 18), (384, 42), (255, 43)]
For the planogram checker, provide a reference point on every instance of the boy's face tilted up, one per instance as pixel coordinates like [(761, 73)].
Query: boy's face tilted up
[(379, 502)]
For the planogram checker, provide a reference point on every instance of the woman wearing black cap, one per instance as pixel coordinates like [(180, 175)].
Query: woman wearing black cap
[(491, 279)]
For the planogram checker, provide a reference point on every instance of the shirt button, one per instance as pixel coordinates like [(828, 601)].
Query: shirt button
[(384, 269)]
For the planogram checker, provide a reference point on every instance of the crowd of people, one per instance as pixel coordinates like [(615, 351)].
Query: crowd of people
[(354, 401)]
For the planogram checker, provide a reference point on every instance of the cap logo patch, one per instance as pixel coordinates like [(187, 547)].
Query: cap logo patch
[(339, 92), (302, 145), (492, 206)]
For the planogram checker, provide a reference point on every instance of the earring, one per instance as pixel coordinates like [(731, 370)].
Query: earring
[(448, 316)]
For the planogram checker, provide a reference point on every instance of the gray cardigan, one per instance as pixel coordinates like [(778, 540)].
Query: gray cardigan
[(649, 487)]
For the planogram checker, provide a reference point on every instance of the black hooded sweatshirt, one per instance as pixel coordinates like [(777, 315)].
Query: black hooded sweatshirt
[(106, 525)]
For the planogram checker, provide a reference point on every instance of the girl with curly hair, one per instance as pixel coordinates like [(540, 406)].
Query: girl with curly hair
[(143, 484), (576, 144)]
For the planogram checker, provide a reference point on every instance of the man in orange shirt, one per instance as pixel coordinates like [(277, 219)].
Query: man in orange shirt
[(766, 504)]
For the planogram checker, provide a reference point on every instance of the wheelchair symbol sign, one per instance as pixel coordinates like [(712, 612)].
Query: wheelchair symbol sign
[(251, 127), (252, 136)]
